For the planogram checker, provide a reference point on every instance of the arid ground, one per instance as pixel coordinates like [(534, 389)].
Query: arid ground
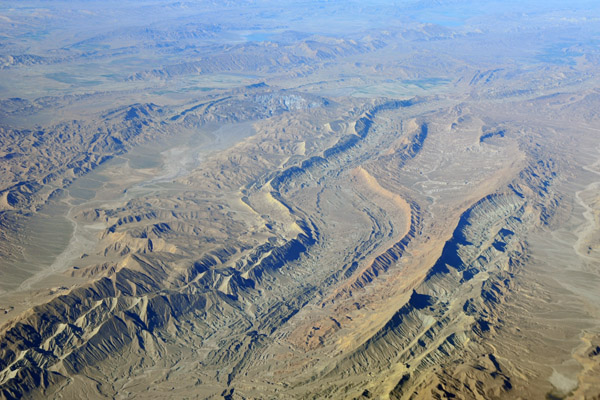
[(299, 200)]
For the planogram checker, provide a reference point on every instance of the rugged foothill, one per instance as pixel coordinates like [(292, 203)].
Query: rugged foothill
[(293, 209)]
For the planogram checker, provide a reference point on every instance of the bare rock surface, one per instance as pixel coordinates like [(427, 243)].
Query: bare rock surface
[(215, 200)]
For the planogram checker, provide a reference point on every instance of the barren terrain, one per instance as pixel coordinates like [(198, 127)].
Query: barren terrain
[(299, 200)]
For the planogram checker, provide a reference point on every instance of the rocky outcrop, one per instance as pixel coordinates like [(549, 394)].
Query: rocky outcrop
[(384, 261), (263, 57), (346, 143), (69, 150)]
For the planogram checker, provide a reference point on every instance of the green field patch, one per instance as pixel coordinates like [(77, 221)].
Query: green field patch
[(427, 83), (70, 79)]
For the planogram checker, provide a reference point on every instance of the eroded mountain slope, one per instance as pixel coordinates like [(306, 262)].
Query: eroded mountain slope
[(319, 257), (209, 200)]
